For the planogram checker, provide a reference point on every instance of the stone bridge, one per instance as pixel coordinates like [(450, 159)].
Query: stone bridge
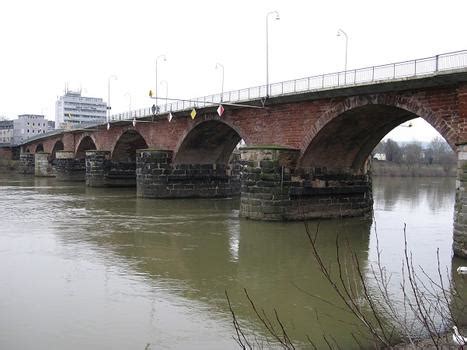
[(305, 154)]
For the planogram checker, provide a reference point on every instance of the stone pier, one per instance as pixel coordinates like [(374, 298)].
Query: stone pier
[(273, 188), (101, 171), (97, 167), (158, 177), (121, 174), (460, 209), (67, 168), (26, 163), (42, 166)]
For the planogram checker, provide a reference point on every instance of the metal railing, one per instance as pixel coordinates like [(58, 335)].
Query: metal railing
[(362, 76)]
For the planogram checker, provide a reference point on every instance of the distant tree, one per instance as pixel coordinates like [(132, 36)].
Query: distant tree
[(441, 150), (428, 155), (393, 151), (412, 153)]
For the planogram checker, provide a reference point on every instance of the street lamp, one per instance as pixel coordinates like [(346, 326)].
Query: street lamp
[(165, 82), (267, 47), (339, 33), (114, 77), (164, 58), (218, 65)]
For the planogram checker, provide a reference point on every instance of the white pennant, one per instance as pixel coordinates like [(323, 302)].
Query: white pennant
[(134, 122), (220, 110), (170, 117), (108, 126)]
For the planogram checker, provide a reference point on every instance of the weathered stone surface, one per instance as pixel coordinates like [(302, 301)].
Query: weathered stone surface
[(67, 168), (26, 163), (42, 166), (268, 194), (97, 167), (459, 245), (158, 177)]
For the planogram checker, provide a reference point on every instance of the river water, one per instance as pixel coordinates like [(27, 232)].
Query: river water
[(84, 268)]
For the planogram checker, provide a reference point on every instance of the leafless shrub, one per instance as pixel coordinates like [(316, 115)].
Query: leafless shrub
[(427, 307)]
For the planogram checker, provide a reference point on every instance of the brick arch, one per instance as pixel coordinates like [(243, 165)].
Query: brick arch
[(39, 148), (57, 146), (86, 142), (209, 141), (395, 108), (408, 103), (125, 146)]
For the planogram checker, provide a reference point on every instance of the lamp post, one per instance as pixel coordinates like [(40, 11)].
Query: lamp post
[(165, 82), (267, 47), (164, 58), (114, 77), (218, 65), (339, 33)]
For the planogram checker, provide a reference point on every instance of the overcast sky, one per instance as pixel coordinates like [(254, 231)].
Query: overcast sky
[(46, 44)]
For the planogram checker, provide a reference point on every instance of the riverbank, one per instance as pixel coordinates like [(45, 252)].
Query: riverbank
[(385, 168)]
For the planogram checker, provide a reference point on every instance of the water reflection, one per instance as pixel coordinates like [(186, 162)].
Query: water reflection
[(124, 272), (392, 192)]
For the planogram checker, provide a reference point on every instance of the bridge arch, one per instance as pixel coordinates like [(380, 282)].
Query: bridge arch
[(126, 145), (86, 143), (58, 146), (344, 136), (39, 148), (208, 142)]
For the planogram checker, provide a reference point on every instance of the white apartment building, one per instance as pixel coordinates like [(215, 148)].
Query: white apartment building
[(75, 111), (27, 126)]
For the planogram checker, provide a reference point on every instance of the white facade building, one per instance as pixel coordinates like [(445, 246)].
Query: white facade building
[(75, 111), (27, 126)]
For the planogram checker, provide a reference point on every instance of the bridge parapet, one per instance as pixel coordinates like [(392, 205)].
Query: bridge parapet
[(392, 72)]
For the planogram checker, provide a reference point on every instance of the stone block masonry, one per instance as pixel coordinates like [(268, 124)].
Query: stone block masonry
[(101, 171), (26, 163), (272, 188), (67, 168), (158, 177), (460, 209), (97, 166), (42, 166)]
